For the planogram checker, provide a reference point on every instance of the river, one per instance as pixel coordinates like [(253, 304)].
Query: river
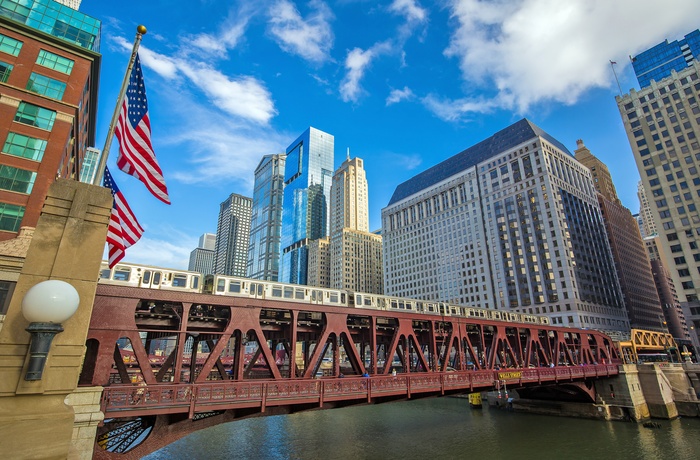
[(435, 428)]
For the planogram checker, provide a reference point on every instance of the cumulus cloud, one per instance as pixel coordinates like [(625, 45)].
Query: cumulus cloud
[(310, 37), (535, 51), (398, 95), (454, 110), (356, 63)]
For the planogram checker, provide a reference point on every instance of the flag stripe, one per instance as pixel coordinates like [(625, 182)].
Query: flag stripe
[(133, 130), (123, 230)]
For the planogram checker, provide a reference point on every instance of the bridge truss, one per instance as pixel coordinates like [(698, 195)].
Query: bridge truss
[(173, 362)]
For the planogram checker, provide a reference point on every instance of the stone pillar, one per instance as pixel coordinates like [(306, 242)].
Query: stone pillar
[(68, 244), (623, 395), (658, 391)]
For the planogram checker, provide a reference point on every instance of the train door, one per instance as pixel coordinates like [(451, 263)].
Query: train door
[(151, 279), (257, 290)]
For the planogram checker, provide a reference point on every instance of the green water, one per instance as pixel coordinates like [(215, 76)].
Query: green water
[(436, 428)]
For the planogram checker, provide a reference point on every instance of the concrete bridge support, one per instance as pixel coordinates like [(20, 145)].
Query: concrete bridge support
[(67, 245)]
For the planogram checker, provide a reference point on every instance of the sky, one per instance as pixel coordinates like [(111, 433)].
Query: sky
[(402, 84)]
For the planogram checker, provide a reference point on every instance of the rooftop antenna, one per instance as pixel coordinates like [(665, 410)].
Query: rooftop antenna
[(612, 66), (348, 156)]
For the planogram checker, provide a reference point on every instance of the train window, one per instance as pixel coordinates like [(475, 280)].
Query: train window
[(121, 273), (358, 299), (105, 274), (195, 282), (156, 278), (146, 277), (288, 292), (368, 301), (393, 304), (179, 280), (276, 291), (342, 298), (401, 305), (220, 285), (431, 308), (259, 289), (299, 294), (234, 286), (334, 297), (313, 296)]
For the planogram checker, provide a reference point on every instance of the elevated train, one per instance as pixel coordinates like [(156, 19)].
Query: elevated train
[(143, 276)]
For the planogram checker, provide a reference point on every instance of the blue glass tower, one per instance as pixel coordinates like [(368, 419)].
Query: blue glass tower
[(657, 62), (307, 186)]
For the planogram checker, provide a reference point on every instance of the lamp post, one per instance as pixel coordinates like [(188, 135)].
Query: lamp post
[(46, 305)]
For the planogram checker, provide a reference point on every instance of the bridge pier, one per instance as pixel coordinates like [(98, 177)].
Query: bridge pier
[(67, 245)]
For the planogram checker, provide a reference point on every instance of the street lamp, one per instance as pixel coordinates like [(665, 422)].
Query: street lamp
[(46, 305)]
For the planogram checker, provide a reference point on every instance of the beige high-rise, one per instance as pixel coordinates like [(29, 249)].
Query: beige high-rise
[(354, 253), (662, 122)]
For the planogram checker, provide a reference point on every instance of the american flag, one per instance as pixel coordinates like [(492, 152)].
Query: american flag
[(133, 130), (124, 230)]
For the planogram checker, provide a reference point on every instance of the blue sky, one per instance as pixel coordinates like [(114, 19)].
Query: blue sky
[(404, 84)]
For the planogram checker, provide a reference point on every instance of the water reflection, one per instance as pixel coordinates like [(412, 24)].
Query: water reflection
[(438, 428)]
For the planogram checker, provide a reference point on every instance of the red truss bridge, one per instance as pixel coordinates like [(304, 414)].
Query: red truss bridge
[(175, 362)]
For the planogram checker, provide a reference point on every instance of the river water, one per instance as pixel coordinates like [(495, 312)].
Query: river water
[(436, 428)]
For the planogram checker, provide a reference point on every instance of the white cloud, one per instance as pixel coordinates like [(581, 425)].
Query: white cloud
[(356, 64), (410, 9), (398, 95), (244, 96), (161, 253), (498, 42), (454, 110), (310, 38), (230, 33)]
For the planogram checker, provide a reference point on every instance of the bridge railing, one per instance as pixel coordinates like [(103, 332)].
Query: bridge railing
[(138, 400)]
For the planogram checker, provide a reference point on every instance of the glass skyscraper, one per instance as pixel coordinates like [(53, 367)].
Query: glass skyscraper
[(233, 236), (657, 62), (307, 183), (266, 219)]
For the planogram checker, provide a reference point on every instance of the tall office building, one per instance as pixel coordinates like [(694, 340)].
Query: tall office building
[(662, 122), (233, 236), (355, 253), (511, 223), (319, 265), (307, 184), (49, 76), (648, 226), (629, 252), (266, 219), (202, 257), (658, 62)]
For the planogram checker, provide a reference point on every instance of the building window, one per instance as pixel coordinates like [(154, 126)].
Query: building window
[(55, 62), (10, 45), (46, 86), (23, 146), (10, 216), (5, 70), (33, 115), (16, 180)]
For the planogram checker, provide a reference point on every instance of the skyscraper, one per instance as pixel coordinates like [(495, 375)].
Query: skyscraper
[(266, 219), (49, 64), (233, 236), (657, 62), (511, 223), (648, 226), (202, 257), (629, 252), (307, 183), (662, 122), (88, 170), (355, 253)]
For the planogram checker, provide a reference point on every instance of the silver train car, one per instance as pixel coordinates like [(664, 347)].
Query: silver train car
[(143, 276)]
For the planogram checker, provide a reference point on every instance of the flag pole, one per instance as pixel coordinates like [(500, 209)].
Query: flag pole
[(140, 32), (612, 65)]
